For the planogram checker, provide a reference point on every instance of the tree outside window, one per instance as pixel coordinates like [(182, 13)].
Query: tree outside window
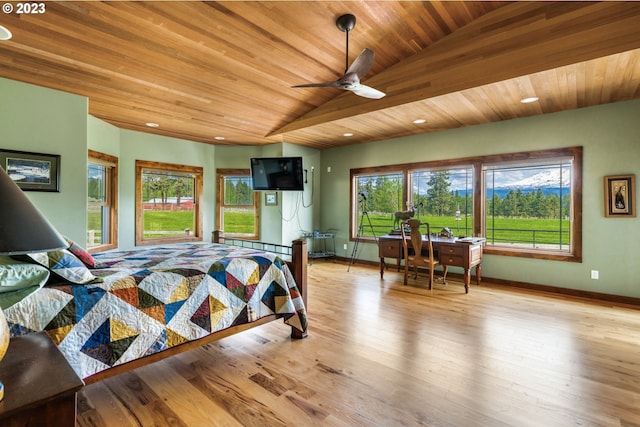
[(376, 199), (168, 201), (525, 204), (238, 204), (529, 205), (102, 201), (444, 198)]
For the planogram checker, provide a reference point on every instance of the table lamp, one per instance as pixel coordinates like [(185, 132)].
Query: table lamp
[(23, 229)]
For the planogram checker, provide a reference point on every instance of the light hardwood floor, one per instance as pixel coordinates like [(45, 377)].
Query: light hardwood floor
[(383, 354)]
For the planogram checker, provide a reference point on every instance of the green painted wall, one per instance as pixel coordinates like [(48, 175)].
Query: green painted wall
[(143, 146), (295, 211), (103, 137), (130, 146), (609, 135), (300, 209), (48, 121)]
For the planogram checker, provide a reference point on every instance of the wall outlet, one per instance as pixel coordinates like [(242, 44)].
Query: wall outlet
[(344, 247), (595, 274)]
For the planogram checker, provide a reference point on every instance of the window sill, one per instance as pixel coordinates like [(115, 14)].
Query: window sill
[(531, 253)]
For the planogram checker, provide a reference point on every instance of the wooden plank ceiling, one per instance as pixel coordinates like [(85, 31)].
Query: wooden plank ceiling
[(203, 70)]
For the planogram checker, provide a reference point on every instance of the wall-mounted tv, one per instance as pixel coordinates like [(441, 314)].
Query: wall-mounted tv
[(277, 173)]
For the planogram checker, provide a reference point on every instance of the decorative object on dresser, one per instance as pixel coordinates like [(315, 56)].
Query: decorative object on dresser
[(23, 229)]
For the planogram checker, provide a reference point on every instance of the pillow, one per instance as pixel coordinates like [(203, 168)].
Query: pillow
[(81, 253), (16, 275), (7, 299), (64, 264)]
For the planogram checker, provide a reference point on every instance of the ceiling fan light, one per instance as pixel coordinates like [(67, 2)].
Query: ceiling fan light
[(419, 121), (5, 34), (347, 134), (529, 100)]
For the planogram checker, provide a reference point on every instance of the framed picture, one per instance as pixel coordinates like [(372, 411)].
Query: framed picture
[(271, 199), (620, 196), (32, 171)]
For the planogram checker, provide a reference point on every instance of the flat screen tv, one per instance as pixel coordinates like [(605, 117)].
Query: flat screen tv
[(277, 173)]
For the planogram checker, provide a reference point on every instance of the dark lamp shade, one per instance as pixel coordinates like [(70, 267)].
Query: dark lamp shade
[(23, 229)]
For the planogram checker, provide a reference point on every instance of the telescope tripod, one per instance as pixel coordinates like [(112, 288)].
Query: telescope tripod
[(363, 214)]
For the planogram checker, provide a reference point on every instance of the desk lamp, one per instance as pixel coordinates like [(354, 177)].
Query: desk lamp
[(23, 229)]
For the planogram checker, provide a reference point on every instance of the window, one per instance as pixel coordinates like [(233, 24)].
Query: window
[(526, 204), (529, 205), (376, 198), (444, 198), (102, 201), (167, 203), (238, 205)]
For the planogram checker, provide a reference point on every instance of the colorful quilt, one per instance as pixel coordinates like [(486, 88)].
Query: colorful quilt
[(153, 299)]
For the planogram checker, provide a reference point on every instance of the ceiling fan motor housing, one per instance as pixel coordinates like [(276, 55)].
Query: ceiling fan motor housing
[(346, 22)]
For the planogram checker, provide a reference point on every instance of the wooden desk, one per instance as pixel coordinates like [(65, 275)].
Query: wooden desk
[(453, 253), (40, 386)]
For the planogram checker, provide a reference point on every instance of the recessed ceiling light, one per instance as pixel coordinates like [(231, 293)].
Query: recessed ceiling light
[(152, 125), (529, 99), (219, 138), (419, 121), (347, 134), (5, 34)]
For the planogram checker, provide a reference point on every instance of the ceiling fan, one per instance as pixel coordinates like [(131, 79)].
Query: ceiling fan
[(361, 66)]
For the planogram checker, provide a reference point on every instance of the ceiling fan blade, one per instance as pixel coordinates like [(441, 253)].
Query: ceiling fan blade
[(362, 64), (367, 92), (326, 84)]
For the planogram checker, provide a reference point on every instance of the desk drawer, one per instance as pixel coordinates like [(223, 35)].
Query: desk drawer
[(453, 260), (390, 249), (451, 250)]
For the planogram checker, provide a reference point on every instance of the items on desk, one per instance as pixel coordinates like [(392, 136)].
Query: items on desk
[(446, 233)]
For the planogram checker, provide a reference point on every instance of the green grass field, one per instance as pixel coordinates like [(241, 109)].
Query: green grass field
[(156, 223), (500, 230), (239, 222), (166, 223)]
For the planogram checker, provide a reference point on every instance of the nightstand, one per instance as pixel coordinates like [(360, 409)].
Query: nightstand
[(40, 386)]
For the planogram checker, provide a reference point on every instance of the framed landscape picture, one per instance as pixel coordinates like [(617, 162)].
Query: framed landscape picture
[(619, 196), (271, 199), (32, 171)]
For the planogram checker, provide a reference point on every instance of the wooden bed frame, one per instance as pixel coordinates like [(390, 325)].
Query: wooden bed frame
[(298, 267)]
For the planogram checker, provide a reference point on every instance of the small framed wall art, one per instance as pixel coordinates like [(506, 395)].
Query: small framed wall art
[(271, 199), (32, 171), (620, 196)]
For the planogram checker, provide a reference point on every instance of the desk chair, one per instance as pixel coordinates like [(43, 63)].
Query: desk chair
[(417, 255)]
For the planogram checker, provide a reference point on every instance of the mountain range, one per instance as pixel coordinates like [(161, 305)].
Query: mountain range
[(546, 178)]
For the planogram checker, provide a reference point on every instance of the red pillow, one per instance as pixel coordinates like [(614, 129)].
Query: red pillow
[(81, 254)]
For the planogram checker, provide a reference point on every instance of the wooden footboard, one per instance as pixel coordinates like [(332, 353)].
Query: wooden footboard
[(297, 264), (298, 267)]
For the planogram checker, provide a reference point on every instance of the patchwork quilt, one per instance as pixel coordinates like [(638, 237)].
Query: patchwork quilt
[(153, 299)]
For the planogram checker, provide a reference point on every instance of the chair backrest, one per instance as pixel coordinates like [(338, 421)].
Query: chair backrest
[(415, 237)]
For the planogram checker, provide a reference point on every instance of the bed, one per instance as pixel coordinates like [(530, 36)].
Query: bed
[(135, 307)]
